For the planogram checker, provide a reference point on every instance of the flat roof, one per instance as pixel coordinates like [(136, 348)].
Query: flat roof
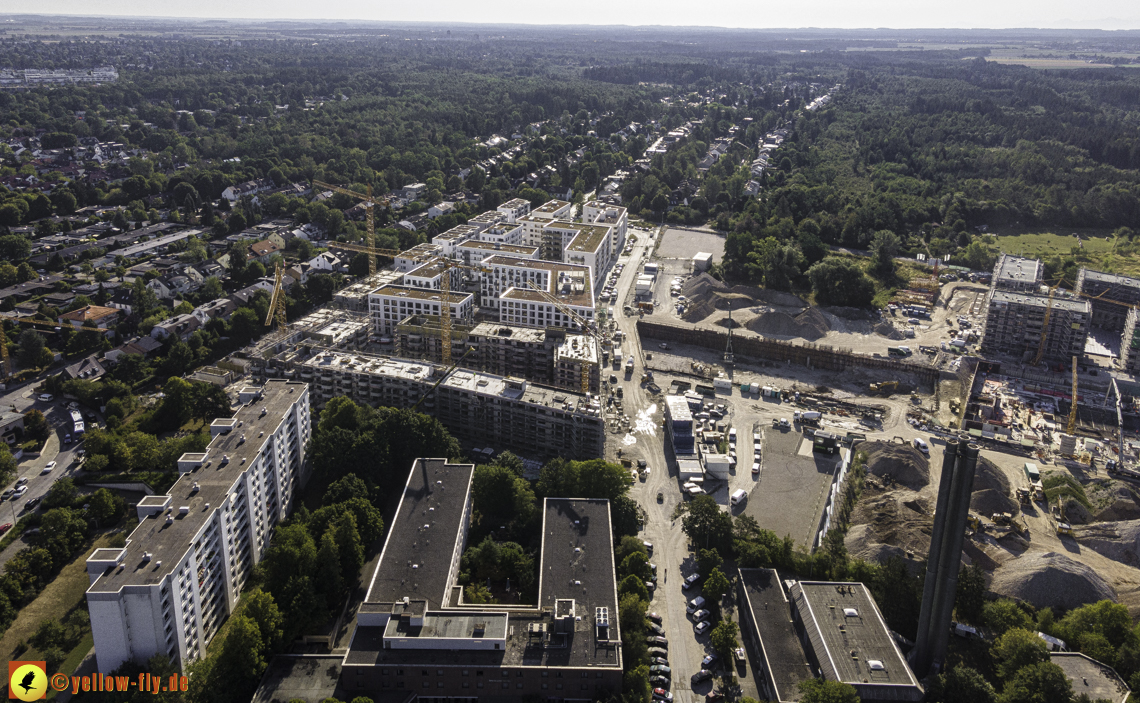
[(414, 293), (495, 246), (429, 522), (1089, 676), (552, 266), (514, 203), (450, 624), (783, 652), (1113, 279), (432, 268), (589, 238), (550, 207), (582, 300), (512, 332), (577, 347), (847, 632), (1018, 269), (168, 544), (1041, 301), (678, 407)]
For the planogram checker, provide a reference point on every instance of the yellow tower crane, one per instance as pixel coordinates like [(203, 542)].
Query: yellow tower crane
[(369, 204), (277, 301), (565, 310), (1045, 325)]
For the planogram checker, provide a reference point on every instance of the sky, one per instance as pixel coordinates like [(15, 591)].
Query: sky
[(904, 14)]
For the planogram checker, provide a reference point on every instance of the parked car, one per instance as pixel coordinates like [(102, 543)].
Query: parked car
[(708, 660), (702, 675), (660, 681), (47, 397), (657, 630), (661, 694), (702, 627), (741, 657), (48, 467), (658, 660), (654, 617), (690, 581), (657, 640), (661, 670), (658, 652), (19, 492), (32, 503), (696, 604), (660, 497), (6, 494), (920, 445), (700, 615), (755, 467), (5, 527)]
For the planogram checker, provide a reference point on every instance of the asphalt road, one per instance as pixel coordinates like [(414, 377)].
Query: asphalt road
[(55, 450)]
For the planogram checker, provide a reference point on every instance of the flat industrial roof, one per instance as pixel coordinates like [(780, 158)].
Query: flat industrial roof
[(429, 522), (1089, 676), (782, 650), (167, 544), (1041, 301), (1018, 269), (848, 633)]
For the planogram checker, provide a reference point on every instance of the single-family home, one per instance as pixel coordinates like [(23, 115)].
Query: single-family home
[(87, 369), (264, 250), (443, 208), (326, 262), (141, 346), (97, 314), (180, 326)]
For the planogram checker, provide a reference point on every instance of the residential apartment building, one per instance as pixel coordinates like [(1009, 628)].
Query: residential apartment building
[(586, 245), (541, 216), (508, 290), (1130, 343), (513, 209), (429, 276), (390, 304), (482, 408), (474, 252), (183, 568), (600, 213), (418, 255), (1112, 296), (1015, 321), (550, 356), (1017, 274), (416, 637)]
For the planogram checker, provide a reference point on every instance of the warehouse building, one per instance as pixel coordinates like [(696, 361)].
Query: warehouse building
[(416, 636), (1014, 324), (168, 591), (477, 407), (810, 629)]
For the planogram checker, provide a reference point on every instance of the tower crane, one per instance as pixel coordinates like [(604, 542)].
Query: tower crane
[(277, 301), (1045, 325), (1073, 406), (565, 310), (370, 202)]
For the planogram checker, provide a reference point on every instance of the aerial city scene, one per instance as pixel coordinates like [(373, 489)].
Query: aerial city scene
[(330, 332)]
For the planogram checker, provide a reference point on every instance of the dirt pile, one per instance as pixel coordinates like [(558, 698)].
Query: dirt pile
[(900, 463), (987, 502), (886, 329), (987, 476), (1050, 579), (809, 324), (889, 524), (1116, 502), (1119, 541)]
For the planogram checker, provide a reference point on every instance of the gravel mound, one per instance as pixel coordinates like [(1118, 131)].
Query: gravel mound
[(809, 324), (989, 477), (1119, 541), (902, 462), (1051, 579), (1121, 505), (698, 286), (886, 329), (989, 501)]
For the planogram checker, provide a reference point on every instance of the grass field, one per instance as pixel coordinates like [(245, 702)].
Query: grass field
[(58, 599), (1098, 249)]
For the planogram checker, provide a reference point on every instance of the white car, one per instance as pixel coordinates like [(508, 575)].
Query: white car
[(690, 581), (48, 467), (47, 397), (19, 492), (700, 615), (755, 467), (702, 627), (920, 445)]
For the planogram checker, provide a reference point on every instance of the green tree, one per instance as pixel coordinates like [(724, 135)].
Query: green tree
[(706, 524), (32, 346), (820, 691), (61, 494), (15, 247), (633, 586), (724, 638), (331, 583), (1040, 682), (715, 587), (971, 594), (1017, 649), (212, 289), (962, 684), (104, 507), (349, 545), (707, 560), (345, 489), (838, 281), (884, 247), (8, 464), (1003, 615)]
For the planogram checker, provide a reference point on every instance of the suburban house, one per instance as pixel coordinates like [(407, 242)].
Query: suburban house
[(180, 326), (97, 314), (167, 287), (234, 193), (412, 191), (87, 369), (264, 250), (326, 263), (142, 346), (443, 208)]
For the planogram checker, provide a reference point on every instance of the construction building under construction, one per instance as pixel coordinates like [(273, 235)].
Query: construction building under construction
[(1111, 296), (1130, 343), (1016, 323), (1017, 274), (551, 356), (505, 412), (275, 355)]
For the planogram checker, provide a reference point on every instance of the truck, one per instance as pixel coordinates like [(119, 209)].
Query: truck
[(808, 416), (897, 351), (629, 364), (617, 356)]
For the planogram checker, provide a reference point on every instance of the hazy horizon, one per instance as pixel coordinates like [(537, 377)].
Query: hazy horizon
[(729, 14)]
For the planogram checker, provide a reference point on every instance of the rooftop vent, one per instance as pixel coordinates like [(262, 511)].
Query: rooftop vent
[(184, 510), (146, 557), (850, 613), (875, 665), (196, 487)]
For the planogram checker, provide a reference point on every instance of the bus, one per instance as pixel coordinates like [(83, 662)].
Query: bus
[(77, 424)]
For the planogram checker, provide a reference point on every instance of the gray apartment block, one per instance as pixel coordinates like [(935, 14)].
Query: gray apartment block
[(1110, 296), (481, 408), (1130, 343), (1014, 324), (1018, 274)]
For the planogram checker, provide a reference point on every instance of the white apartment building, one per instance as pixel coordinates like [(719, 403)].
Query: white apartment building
[(389, 305), (599, 213), (415, 257), (507, 289), (512, 210), (183, 568), (503, 234), (447, 241), (584, 245), (429, 276), (473, 253), (541, 216)]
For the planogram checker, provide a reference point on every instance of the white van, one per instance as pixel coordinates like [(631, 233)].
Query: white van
[(738, 496)]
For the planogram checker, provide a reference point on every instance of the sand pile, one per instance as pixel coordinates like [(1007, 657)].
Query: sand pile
[(901, 462), (1050, 579), (1119, 541)]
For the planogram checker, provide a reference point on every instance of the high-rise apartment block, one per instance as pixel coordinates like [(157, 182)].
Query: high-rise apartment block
[(1111, 296), (183, 568), (1015, 323), (1017, 274)]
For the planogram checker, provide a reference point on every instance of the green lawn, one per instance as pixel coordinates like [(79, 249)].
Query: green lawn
[(1100, 250)]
